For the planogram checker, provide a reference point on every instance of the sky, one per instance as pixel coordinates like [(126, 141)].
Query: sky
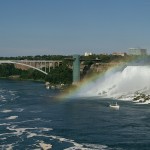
[(66, 27)]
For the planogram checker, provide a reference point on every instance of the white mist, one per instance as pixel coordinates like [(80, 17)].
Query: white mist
[(120, 84)]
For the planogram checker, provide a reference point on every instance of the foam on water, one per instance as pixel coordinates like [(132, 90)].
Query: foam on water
[(9, 147), (81, 146), (8, 95), (32, 132), (4, 124), (19, 109), (11, 117), (29, 131), (6, 111), (40, 132), (31, 135), (43, 136), (45, 146), (88, 147)]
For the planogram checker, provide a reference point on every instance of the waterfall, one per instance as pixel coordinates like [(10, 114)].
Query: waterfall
[(120, 84)]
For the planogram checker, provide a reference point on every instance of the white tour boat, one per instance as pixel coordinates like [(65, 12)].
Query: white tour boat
[(114, 106)]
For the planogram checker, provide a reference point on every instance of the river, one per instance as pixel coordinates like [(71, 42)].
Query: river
[(31, 118)]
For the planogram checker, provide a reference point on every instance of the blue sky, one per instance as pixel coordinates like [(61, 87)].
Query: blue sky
[(47, 27)]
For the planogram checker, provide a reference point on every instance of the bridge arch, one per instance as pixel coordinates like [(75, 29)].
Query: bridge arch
[(56, 64), (13, 62)]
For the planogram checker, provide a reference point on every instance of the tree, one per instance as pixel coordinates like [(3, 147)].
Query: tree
[(61, 74)]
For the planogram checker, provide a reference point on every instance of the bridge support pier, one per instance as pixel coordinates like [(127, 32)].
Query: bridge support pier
[(76, 69)]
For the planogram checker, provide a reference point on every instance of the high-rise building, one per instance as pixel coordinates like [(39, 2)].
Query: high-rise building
[(137, 51)]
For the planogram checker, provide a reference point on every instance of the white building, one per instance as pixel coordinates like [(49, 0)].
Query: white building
[(87, 54), (119, 54)]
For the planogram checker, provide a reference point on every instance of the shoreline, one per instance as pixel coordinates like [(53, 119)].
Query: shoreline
[(20, 79)]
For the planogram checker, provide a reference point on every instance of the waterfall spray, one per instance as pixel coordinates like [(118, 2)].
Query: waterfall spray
[(120, 84)]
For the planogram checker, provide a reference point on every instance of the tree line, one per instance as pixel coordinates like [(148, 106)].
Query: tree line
[(60, 74)]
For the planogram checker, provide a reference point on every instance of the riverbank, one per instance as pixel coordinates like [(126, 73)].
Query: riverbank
[(21, 79)]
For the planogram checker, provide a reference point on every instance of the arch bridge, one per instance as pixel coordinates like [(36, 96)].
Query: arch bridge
[(35, 64)]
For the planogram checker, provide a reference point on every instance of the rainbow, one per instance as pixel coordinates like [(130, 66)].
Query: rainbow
[(72, 91)]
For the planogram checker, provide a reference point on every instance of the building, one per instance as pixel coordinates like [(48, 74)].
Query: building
[(137, 51), (119, 54), (87, 54)]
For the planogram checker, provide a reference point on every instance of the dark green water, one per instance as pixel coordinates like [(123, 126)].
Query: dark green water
[(31, 118)]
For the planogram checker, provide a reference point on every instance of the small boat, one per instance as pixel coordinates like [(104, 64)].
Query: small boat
[(47, 87), (114, 106), (47, 84)]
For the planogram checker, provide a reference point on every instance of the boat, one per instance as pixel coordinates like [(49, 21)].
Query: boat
[(47, 87), (47, 84), (114, 106)]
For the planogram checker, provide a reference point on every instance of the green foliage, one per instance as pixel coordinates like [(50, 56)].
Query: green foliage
[(60, 75), (7, 70), (37, 57), (57, 75), (32, 74)]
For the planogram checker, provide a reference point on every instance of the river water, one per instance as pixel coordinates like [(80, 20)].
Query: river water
[(31, 118)]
